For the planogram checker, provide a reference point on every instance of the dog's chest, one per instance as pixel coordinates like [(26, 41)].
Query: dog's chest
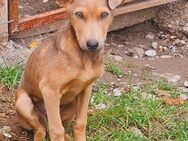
[(77, 86)]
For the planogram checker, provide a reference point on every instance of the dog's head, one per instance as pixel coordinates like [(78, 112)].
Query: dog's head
[(90, 20)]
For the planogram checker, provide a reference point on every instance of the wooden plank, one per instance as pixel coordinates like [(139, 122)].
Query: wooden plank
[(140, 5), (136, 17), (12, 15), (42, 19), (3, 21), (42, 29)]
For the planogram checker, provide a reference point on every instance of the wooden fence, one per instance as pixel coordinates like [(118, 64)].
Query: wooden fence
[(57, 17), (3, 20)]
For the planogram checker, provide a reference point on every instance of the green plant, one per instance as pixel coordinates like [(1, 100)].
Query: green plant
[(114, 68), (10, 75)]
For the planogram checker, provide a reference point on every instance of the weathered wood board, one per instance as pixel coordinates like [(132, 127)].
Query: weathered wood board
[(3, 21)]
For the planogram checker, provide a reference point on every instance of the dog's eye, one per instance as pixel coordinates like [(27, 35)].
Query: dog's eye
[(104, 15), (79, 15)]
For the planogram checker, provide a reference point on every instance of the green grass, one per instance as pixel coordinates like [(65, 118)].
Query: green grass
[(113, 68), (156, 120), (10, 75)]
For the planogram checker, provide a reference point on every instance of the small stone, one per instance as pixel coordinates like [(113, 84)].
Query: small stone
[(150, 53), (160, 47), (142, 46), (165, 48), (136, 131), (183, 89), (173, 37), (186, 84), (136, 56), (123, 84), (154, 45), (185, 29), (117, 92), (7, 128), (120, 46), (182, 42), (183, 97), (7, 135), (116, 58), (20, 7), (178, 55), (95, 88), (165, 56), (45, 1), (112, 83), (136, 88), (161, 35), (100, 106), (140, 52), (5, 131), (118, 80), (150, 36), (149, 67), (130, 53), (120, 76), (179, 42)]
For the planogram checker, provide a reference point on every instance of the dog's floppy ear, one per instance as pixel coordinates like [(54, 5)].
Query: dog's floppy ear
[(114, 3), (64, 3)]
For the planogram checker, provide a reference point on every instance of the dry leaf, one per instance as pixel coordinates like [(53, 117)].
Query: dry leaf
[(33, 44), (173, 101), (91, 112), (167, 100), (161, 93)]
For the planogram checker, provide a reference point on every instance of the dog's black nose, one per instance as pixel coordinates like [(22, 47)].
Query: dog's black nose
[(92, 44)]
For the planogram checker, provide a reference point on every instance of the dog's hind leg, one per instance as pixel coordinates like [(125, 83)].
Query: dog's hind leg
[(27, 116), (67, 112)]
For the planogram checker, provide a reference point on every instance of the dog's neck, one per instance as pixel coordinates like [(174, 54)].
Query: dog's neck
[(66, 42)]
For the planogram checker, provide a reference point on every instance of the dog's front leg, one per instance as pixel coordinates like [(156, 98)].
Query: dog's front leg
[(82, 101), (52, 105)]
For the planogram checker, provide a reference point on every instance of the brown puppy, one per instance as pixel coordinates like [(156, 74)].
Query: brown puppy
[(59, 75)]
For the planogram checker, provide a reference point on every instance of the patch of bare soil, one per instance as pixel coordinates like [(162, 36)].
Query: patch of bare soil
[(9, 128)]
